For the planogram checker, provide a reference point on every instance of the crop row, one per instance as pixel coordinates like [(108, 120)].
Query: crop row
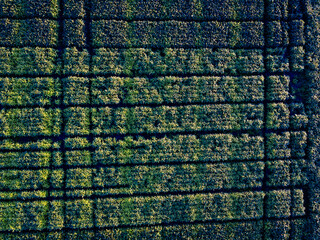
[(175, 146), (179, 148), (37, 61), (139, 179), (168, 61), (157, 9), (158, 179), (115, 90), (29, 8), (211, 147), (30, 32), (115, 33), (106, 120), (41, 91), (150, 210), (197, 9), (254, 229), (143, 119)]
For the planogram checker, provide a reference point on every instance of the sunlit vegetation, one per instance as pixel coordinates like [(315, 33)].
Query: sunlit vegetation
[(162, 119)]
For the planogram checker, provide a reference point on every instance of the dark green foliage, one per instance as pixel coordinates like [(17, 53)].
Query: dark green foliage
[(299, 229), (78, 157), (277, 9), (73, 33), (277, 60), (29, 91), (186, 177), (277, 34), (23, 179), (29, 32), (172, 119), (26, 60), (76, 90), (115, 33), (247, 230), (278, 203), (110, 8), (297, 55), (233, 9), (77, 121), (29, 8), (278, 88), (286, 172), (210, 147), (113, 212), (278, 173), (110, 31), (277, 116), (179, 9), (299, 175), (298, 143), (298, 203), (177, 61), (173, 89), (297, 37), (178, 119), (75, 61), (79, 177), (220, 231), (73, 8), (25, 159), (234, 34), (278, 145), (29, 122), (78, 214), (277, 229)]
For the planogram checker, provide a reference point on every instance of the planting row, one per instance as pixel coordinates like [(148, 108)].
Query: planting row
[(157, 9), (157, 179), (112, 212), (46, 91), (115, 33), (106, 120), (132, 62), (30, 32), (254, 229), (180, 148), (143, 119)]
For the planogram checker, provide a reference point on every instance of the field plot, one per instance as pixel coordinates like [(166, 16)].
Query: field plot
[(160, 119)]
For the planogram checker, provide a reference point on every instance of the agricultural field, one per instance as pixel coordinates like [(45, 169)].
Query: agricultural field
[(159, 119)]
